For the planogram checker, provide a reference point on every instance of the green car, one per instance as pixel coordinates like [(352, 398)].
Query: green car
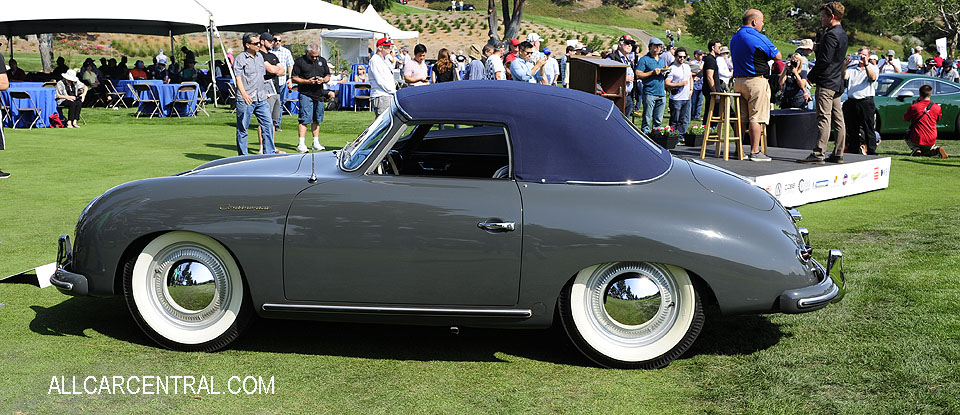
[(896, 92)]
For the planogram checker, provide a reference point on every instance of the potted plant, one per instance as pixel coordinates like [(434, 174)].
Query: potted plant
[(666, 137), (694, 135)]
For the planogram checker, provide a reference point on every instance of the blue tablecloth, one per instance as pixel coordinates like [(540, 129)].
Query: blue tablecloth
[(166, 93), (18, 84), (44, 98), (222, 84), (347, 91), (124, 86), (286, 93)]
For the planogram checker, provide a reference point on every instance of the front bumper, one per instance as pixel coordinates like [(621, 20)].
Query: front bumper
[(68, 282), (830, 289)]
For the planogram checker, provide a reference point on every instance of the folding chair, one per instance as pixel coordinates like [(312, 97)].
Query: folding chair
[(20, 110), (232, 97), (201, 102), (5, 108), (357, 97), (138, 92), (113, 93), (295, 101), (50, 84), (191, 88)]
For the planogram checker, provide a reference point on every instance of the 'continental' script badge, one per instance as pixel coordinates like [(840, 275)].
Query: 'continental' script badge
[(243, 207)]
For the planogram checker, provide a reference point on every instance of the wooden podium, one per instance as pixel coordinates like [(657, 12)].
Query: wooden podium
[(604, 77)]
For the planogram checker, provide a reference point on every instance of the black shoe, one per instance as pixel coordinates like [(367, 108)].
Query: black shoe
[(835, 159), (811, 159), (4, 175)]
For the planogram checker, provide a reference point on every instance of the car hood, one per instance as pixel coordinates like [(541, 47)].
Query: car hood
[(730, 185)]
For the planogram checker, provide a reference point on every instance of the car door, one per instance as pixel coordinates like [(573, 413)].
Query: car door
[(391, 239), (895, 107), (947, 94)]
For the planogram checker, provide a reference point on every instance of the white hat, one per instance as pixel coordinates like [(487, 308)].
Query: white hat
[(71, 75), (534, 37)]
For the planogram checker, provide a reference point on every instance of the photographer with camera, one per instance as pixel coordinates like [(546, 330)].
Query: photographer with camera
[(652, 70), (859, 111), (793, 84)]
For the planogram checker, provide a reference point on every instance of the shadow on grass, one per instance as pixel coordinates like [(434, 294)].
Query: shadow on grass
[(735, 335), (928, 161), (108, 316), (203, 157)]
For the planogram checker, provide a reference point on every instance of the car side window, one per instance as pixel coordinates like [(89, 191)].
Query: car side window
[(944, 88), (463, 150), (914, 85)]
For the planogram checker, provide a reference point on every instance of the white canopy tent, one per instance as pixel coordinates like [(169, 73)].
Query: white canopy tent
[(353, 44), (110, 16), (236, 16)]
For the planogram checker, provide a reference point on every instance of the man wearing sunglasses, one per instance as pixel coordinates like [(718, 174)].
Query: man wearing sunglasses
[(680, 82), (249, 69)]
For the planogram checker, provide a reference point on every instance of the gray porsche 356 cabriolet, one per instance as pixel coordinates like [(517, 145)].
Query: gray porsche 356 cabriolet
[(475, 203)]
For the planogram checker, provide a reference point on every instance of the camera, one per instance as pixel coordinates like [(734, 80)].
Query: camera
[(792, 64), (665, 71)]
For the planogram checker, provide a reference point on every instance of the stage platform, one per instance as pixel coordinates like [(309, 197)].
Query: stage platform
[(795, 184)]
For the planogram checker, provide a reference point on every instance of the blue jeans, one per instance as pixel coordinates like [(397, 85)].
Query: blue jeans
[(244, 112), (652, 112), (628, 105), (679, 115), (696, 102), (311, 110)]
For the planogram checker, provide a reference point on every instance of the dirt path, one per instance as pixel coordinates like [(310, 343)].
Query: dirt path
[(641, 36)]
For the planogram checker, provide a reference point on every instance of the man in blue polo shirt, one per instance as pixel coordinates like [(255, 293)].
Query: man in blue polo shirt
[(750, 51), (651, 71)]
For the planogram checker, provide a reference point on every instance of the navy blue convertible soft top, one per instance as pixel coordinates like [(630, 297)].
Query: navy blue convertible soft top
[(558, 135)]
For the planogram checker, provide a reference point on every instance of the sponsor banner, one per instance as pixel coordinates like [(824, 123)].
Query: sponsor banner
[(798, 187)]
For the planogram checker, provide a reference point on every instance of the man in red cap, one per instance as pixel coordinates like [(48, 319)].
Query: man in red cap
[(382, 83), (514, 50)]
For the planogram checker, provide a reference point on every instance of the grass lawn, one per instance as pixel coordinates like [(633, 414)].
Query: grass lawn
[(890, 347)]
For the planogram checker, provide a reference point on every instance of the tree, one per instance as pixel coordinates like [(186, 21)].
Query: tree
[(46, 51), (511, 22), (928, 19), (720, 19)]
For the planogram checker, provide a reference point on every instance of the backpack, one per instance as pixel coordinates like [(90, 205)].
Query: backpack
[(55, 121)]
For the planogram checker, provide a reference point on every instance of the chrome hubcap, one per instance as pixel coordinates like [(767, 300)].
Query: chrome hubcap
[(633, 303), (190, 285)]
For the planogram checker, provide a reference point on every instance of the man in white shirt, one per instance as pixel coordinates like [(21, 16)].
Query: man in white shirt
[(494, 66), (382, 84), (551, 70), (679, 83), (915, 61), (890, 64), (725, 65), (415, 71), (859, 111), (535, 40)]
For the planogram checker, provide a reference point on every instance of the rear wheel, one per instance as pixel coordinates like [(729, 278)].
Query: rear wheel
[(632, 315), (186, 293)]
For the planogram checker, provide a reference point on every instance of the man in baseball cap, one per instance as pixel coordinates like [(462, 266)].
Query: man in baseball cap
[(382, 83), (650, 70), (890, 64)]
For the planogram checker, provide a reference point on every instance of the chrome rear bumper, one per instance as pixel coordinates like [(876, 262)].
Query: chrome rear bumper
[(830, 289)]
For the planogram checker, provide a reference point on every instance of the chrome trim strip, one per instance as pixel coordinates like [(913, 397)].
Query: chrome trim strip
[(422, 311), (628, 182), (612, 106), (820, 299), (396, 102)]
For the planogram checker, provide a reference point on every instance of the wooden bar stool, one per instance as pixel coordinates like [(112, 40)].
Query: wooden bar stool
[(722, 137)]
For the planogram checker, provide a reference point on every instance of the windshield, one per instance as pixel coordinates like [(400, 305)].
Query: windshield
[(355, 153), (886, 84)]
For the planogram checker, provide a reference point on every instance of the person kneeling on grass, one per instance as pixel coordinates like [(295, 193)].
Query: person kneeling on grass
[(923, 115)]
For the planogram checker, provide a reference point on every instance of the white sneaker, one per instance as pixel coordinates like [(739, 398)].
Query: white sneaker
[(302, 148), (318, 147)]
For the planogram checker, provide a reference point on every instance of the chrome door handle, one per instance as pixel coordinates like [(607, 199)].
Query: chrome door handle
[(497, 226)]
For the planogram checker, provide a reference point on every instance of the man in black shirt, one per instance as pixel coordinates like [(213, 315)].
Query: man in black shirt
[(827, 74), (310, 73), (273, 69), (711, 77)]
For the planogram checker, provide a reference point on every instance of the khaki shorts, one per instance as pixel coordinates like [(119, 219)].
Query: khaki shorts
[(754, 98)]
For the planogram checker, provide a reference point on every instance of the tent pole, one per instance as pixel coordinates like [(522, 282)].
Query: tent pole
[(172, 51), (213, 63), (10, 40)]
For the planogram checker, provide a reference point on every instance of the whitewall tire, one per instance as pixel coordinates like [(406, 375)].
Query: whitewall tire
[(186, 292), (632, 314)]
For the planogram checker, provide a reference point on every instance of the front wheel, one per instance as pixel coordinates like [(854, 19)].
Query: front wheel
[(186, 293), (632, 315)]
